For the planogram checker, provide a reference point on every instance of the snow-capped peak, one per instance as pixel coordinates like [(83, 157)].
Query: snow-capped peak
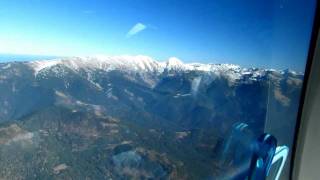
[(42, 64), (173, 62)]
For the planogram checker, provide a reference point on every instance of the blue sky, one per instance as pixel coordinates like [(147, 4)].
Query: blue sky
[(273, 33)]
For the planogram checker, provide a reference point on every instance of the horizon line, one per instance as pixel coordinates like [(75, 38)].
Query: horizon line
[(53, 57)]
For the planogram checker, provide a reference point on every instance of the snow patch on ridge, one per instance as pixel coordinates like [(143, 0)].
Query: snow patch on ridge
[(6, 66), (39, 65), (195, 85)]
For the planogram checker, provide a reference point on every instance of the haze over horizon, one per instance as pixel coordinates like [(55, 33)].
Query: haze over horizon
[(259, 34)]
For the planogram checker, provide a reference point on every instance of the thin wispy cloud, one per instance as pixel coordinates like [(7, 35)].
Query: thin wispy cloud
[(88, 11), (137, 28)]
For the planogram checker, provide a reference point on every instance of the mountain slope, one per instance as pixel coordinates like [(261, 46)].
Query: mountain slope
[(132, 116)]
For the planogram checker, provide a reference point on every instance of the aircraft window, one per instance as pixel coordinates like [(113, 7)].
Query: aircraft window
[(150, 89)]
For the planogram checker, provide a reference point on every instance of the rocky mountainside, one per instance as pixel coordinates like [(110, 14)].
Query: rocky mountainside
[(132, 117)]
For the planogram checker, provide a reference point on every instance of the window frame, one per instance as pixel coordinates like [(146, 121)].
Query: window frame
[(309, 73)]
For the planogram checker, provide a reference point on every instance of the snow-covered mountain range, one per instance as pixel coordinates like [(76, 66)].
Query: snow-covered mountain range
[(145, 64)]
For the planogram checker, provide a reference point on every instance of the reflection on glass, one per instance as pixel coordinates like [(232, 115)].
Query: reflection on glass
[(95, 89)]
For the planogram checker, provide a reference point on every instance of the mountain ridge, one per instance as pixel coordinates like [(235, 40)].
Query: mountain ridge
[(146, 64)]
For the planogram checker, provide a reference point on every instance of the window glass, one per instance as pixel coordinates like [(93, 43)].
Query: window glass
[(149, 89)]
